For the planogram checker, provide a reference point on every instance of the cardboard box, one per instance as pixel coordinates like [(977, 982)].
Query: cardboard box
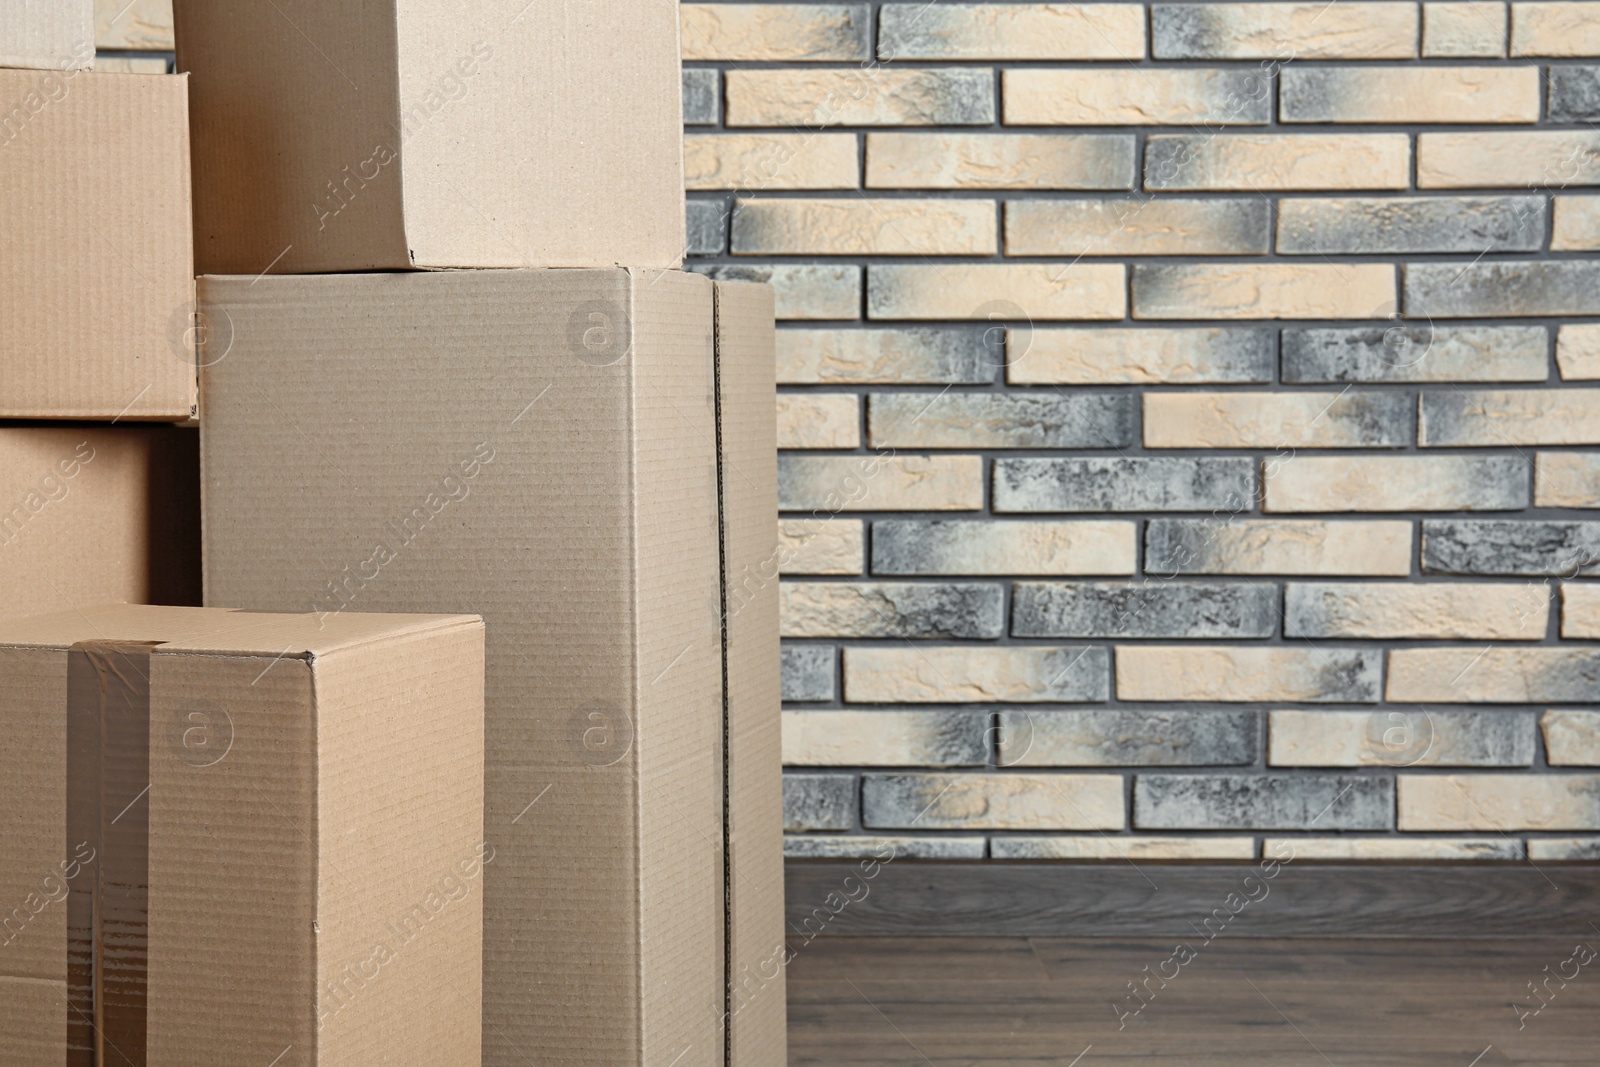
[(241, 839), (97, 276), (540, 447), (92, 515), (47, 34), (346, 137)]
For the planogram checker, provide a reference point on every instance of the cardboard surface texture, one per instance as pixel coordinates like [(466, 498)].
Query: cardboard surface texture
[(206, 808), (539, 447), (47, 34), (97, 279), (92, 515), (419, 134), (747, 436)]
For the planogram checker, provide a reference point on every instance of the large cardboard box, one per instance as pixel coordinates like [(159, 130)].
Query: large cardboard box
[(389, 136), (47, 34), (95, 514), (97, 273), (233, 840), (541, 447)]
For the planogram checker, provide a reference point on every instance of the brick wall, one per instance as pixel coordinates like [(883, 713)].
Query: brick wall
[(1188, 414)]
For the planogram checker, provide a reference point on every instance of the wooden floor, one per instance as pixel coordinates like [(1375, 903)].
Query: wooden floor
[(998, 1002)]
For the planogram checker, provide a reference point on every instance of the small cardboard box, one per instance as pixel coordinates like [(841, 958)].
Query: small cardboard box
[(336, 137), (239, 839), (47, 34), (94, 515), (541, 447), (97, 275)]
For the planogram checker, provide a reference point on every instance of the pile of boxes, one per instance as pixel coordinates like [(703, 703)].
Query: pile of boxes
[(443, 364)]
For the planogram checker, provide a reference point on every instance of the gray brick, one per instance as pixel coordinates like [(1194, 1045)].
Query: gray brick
[(1417, 352), (708, 228), (1507, 546), (1502, 418), (915, 355), (804, 290), (1574, 94), (1566, 287), (1229, 544), (1124, 484), (1564, 849), (1149, 608), (1283, 31), (1263, 802), (993, 801), (920, 546), (1011, 420), (1361, 225), (812, 847), (808, 672), (702, 97), (893, 609), (1120, 738), (819, 801)]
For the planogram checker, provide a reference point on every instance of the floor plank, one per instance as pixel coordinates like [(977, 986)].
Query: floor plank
[(1048, 1002)]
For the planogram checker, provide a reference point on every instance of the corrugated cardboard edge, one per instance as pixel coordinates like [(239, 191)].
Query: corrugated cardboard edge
[(756, 1010)]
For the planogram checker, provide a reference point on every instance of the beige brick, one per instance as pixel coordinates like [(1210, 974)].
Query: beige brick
[(1280, 546), (1285, 31), (130, 65), (1392, 738), (1000, 161), (902, 610), (1511, 417), (1580, 610), (821, 546), (861, 227), (1511, 159), (1499, 802), (1572, 738), (1391, 849), (858, 97), (884, 738), (1242, 675), (819, 420), (1136, 227), (1284, 162), (1011, 31), (751, 162), (1120, 356), (1123, 847), (1476, 28), (1276, 420), (1577, 227), (915, 356), (1571, 28), (1141, 97), (910, 546), (804, 291), (955, 674), (1578, 352), (136, 25), (1564, 849), (833, 484), (1264, 291), (994, 801), (1398, 483), (1493, 675), (1409, 94), (997, 291), (1566, 480), (1493, 611), (770, 32)]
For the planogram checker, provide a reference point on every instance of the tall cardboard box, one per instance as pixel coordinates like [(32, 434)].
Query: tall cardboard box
[(96, 514), (97, 275), (47, 34), (409, 134), (234, 840), (540, 447)]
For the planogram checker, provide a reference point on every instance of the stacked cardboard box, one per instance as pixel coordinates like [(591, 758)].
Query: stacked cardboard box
[(534, 415), (551, 426)]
